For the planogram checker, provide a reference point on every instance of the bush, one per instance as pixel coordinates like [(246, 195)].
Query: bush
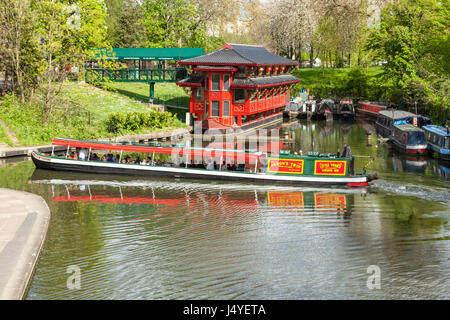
[(133, 121)]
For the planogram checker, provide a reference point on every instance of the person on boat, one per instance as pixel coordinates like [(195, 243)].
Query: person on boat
[(233, 167), (347, 152), (73, 155), (104, 158), (144, 162), (224, 166), (110, 158), (82, 155), (95, 157), (137, 161), (210, 165), (117, 158)]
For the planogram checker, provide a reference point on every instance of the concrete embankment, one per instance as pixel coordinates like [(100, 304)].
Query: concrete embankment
[(7, 152), (24, 219)]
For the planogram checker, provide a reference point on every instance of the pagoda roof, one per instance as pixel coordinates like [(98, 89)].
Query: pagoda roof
[(263, 81), (192, 81), (240, 54)]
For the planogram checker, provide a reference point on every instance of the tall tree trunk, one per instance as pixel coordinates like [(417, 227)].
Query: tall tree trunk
[(311, 57)]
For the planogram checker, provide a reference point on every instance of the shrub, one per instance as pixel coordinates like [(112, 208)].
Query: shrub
[(133, 121)]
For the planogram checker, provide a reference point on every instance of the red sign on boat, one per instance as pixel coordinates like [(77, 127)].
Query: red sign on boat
[(324, 167), (285, 166)]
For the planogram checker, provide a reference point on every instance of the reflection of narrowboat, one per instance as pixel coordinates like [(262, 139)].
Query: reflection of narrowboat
[(305, 201), (369, 109), (345, 109), (438, 139), (409, 139), (313, 169), (409, 164)]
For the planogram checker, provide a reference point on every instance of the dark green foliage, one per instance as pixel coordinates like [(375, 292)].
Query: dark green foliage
[(134, 121)]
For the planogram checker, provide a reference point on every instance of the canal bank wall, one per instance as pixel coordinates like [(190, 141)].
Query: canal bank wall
[(24, 220)]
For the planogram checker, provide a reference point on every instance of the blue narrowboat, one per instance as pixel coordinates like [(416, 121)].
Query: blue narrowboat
[(438, 139)]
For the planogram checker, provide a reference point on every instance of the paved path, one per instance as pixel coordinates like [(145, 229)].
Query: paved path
[(24, 219)]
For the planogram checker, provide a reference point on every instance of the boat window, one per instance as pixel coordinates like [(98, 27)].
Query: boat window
[(416, 137), (239, 95), (199, 94), (226, 108), (226, 82), (215, 82), (215, 106)]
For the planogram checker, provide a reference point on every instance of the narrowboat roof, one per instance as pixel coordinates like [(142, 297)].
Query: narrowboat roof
[(264, 81), (408, 127), (397, 114), (240, 54), (437, 129)]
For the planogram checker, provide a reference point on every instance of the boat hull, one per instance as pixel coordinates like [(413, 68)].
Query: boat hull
[(61, 164)]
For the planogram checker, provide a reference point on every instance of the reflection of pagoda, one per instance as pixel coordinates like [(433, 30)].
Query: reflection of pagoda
[(238, 86)]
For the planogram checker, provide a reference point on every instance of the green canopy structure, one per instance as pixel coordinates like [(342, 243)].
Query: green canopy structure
[(137, 73)]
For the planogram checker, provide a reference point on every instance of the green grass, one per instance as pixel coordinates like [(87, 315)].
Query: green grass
[(4, 137), (165, 93), (80, 112)]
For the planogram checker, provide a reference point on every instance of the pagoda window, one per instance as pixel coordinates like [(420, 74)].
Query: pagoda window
[(215, 82), (199, 94), (239, 95), (215, 108), (226, 82), (226, 109), (207, 82)]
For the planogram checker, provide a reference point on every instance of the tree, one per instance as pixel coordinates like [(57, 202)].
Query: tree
[(68, 30), (125, 24), (19, 48), (173, 23), (413, 37)]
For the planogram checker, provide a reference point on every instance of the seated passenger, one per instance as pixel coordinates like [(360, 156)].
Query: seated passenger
[(210, 165), (144, 162), (117, 158), (82, 155), (233, 167), (104, 158), (137, 161), (110, 158), (224, 166), (95, 157)]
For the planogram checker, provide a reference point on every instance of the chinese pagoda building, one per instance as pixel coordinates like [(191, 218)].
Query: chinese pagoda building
[(238, 86)]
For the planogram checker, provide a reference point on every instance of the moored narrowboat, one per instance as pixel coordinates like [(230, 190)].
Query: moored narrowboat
[(409, 139), (438, 139), (345, 109), (369, 110), (325, 110), (307, 110), (387, 120), (283, 168)]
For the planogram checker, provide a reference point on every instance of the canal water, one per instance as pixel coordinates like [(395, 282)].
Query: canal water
[(134, 238)]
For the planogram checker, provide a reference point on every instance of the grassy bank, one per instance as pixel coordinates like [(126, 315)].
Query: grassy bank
[(81, 111), (165, 93)]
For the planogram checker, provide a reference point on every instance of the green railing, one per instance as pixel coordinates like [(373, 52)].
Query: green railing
[(136, 75)]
